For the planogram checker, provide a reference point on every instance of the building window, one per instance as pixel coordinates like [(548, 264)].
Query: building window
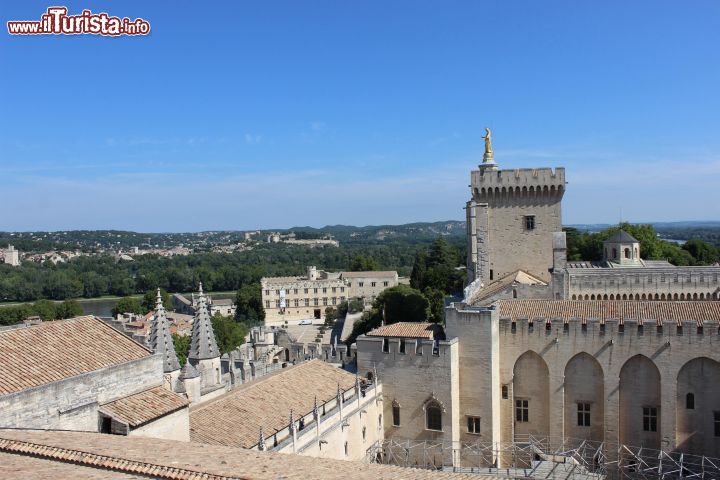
[(295, 291), (342, 289), (267, 303), (360, 284), (307, 302), (716, 423), (372, 284), (690, 401), (325, 301), (315, 290), (583, 414), (346, 449), (522, 411), (267, 292), (650, 419), (402, 345), (505, 392), (334, 300), (385, 284), (386, 345), (433, 417), (364, 433), (333, 289), (296, 302), (418, 347), (491, 274), (277, 292), (627, 253), (473, 424), (396, 414), (315, 302), (277, 303), (529, 222), (380, 422), (306, 290), (324, 289)]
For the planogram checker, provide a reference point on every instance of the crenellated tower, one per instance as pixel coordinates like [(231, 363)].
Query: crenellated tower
[(511, 218)]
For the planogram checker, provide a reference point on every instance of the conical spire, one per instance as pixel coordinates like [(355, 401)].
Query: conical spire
[(202, 344), (160, 339)]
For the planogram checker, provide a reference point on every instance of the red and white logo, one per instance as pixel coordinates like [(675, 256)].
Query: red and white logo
[(56, 21)]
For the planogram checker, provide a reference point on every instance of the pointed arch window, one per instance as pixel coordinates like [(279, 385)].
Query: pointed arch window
[(433, 414)]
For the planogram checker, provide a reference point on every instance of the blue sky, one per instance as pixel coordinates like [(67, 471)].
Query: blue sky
[(284, 113)]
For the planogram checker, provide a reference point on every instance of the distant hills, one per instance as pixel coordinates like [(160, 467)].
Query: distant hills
[(420, 232)]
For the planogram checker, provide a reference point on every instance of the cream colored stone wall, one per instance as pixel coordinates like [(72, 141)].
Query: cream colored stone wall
[(410, 381), (303, 298), (665, 283), (499, 242), (175, 426), (369, 286)]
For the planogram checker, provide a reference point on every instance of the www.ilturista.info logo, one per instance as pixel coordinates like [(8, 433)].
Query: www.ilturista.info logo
[(56, 21)]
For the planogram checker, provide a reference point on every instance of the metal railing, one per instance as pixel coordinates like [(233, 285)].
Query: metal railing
[(545, 457)]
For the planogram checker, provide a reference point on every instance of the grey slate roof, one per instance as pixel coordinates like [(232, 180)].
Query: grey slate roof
[(621, 236), (188, 371), (160, 339), (202, 343)]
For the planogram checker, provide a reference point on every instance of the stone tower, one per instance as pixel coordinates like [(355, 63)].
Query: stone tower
[(204, 353), (161, 342), (511, 218)]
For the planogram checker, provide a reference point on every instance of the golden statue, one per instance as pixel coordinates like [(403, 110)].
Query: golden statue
[(488, 141)]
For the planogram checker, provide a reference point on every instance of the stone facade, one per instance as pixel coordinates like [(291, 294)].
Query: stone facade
[(306, 297), (511, 218), (652, 383)]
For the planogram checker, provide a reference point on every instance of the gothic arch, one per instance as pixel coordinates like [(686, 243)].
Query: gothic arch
[(584, 398), (699, 378), (640, 412), (531, 395)]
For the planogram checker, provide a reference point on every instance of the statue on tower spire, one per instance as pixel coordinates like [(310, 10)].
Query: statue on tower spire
[(488, 161)]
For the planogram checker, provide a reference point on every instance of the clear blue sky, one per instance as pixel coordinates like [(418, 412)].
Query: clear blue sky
[(262, 114)]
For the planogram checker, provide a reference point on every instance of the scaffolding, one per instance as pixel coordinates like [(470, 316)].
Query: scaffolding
[(544, 457)]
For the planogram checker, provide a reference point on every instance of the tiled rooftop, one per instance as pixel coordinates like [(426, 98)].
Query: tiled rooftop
[(386, 274), (46, 454), (673, 312), (236, 417), (406, 329), (144, 406), (518, 276), (52, 351)]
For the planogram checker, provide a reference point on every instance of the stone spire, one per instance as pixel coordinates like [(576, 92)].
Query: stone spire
[(202, 344), (160, 339)]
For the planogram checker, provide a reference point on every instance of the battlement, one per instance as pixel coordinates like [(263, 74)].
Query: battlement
[(518, 177)]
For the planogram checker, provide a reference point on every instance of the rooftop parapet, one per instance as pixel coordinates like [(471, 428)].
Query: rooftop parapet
[(518, 178)]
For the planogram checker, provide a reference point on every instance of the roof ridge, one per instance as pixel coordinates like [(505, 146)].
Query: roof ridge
[(104, 462)]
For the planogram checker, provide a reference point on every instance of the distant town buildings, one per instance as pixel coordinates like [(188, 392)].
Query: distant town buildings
[(290, 239), (307, 297), (10, 256)]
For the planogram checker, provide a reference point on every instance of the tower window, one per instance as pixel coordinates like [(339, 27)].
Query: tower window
[(473, 425), (433, 416), (650, 419), (522, 411), (396, 414), (627, 253), (529, 222), (583, 414), (690, 401)]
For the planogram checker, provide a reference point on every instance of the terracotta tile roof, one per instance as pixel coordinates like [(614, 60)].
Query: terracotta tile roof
[(674, 312), (406, 329), (130, 457), (144, 406), (385, 274), (519, 276), (236, 417), (52, 351)]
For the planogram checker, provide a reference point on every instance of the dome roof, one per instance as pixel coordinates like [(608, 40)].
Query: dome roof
[(621, 236)]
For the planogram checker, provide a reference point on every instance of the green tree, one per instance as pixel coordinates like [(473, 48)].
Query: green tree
[(330, 315), (703, 252), (45, 309), (436, 299), (127, 305), (419, 269), (229, 334), (182, 347), (396, 304), (150, 299), (248, 304), (68, 309), (361, 263)]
